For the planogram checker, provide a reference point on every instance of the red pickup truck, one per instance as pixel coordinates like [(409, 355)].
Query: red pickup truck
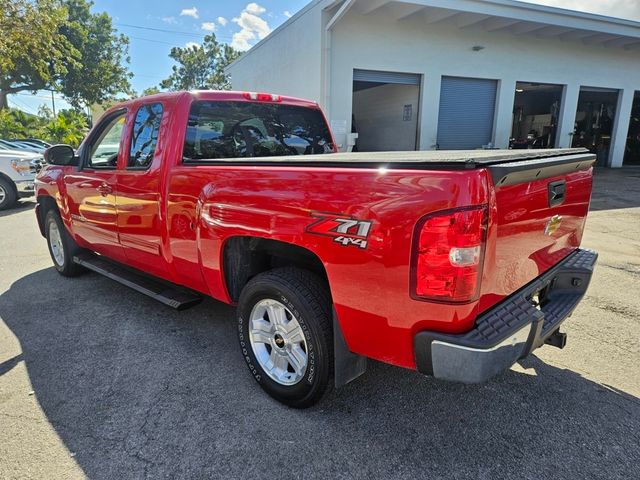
[(456, 264)]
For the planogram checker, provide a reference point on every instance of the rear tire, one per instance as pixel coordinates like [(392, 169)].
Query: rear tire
[(284, 328), (8, 196), (62, 247)]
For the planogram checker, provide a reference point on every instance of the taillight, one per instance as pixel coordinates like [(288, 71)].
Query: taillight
[(262, 97), (448, 253)]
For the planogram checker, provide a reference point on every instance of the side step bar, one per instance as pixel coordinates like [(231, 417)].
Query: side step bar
[(164, 292)]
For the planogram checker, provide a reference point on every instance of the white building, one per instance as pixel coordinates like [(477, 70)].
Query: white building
[(450, 74)]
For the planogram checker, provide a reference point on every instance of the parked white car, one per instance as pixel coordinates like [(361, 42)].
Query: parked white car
[(17, 174)]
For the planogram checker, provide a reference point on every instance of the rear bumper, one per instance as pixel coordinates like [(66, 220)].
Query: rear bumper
[(509, 331)]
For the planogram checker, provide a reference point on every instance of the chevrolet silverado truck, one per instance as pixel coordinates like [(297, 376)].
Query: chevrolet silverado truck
[(456, 264)]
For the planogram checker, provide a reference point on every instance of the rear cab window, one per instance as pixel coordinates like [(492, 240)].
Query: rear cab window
[(233, 129), (144, 137)]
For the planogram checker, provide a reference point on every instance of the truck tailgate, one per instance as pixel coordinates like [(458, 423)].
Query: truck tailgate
[(537, 219)]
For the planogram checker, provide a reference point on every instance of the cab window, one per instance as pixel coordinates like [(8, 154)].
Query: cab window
[(144, 137), (250, 129), (103, 152)]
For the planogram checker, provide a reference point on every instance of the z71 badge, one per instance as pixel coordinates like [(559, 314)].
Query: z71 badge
[(344, 229)]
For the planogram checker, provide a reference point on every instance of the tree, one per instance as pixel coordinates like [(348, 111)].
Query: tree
[(61, 45), (150, 91), (68, 127), (101, 72), (33, 52), (201, 67)]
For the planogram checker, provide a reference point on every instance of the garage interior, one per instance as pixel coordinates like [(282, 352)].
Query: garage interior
[(385, 110), (535, 115), (632, 151), (594, 121)]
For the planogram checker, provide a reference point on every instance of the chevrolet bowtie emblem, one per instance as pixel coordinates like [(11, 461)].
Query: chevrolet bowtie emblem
[(553, 224)]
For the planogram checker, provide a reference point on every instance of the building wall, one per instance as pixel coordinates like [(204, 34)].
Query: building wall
[(376, 42), (301, 59), (380, 117), (288, 62)]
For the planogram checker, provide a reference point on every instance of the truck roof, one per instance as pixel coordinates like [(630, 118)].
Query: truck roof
[(222, 95)]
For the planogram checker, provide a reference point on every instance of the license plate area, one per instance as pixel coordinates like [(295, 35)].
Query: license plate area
[(540, 298)]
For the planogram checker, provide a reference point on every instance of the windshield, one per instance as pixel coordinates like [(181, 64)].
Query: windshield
[(249, 129)]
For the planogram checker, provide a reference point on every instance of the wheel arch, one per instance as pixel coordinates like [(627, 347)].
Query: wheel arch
[(6, 177), (45, 203), (244, 257)]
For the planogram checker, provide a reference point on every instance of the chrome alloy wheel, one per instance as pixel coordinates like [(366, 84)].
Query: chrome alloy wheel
[(278, 342), (55, 242), (3, 194)]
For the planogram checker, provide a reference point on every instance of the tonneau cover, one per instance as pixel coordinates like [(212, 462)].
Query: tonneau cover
[(466, 158)]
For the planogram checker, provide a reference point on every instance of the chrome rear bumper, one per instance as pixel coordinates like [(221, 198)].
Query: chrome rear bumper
[(512, 329)]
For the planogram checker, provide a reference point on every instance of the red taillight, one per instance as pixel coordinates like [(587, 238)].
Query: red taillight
[(262, 97), (448, 253)]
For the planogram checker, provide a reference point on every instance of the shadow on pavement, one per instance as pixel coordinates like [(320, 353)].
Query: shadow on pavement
[(135, 389), (21, 206)]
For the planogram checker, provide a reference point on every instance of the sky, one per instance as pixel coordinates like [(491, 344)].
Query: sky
[(154, 31)]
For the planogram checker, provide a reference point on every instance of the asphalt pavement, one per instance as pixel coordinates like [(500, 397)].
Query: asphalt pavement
[(99, 381)]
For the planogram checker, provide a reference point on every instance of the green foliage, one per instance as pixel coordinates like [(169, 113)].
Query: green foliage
[(60, 45), (33, 51), (150, 91), (201, 67), (69, 126), (101, 72)]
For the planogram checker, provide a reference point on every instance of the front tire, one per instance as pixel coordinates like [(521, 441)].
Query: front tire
[(8, 196), (62, 247), (284, 328)]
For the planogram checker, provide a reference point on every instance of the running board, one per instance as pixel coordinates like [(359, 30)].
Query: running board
[(164, 292)]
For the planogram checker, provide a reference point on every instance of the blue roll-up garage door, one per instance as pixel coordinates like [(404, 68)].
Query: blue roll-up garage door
[(467, 108)]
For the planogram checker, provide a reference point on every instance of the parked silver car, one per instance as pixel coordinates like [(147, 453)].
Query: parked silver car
[(17, 173)]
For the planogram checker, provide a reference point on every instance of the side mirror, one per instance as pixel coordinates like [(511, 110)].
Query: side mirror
[(62, 155)]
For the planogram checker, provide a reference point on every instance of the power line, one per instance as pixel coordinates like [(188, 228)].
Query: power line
[(199, 36), (25, 107), (39, 96), (153, 41), (191, 34)]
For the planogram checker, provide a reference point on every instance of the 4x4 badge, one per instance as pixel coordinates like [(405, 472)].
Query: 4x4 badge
[(343, 229)]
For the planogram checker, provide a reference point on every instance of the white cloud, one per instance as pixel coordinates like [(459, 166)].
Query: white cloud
[(223, 21), (169, 20), (252, 27), (189, 12), (255, 9), (208, 26), (287, 14), (191, 44), (614, 8)]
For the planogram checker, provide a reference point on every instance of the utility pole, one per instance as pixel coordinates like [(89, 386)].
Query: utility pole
[(53, 104)]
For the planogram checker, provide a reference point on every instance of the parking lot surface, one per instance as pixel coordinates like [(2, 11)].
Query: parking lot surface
[(99, 381)]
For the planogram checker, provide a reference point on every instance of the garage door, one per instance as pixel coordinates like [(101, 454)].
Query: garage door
[(467, 107), (386, 77)]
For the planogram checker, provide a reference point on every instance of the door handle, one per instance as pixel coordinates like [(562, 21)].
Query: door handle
[(104, 189), (557, 191)]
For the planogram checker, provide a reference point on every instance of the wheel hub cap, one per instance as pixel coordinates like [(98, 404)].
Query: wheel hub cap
[(278, 342), (55, 242)]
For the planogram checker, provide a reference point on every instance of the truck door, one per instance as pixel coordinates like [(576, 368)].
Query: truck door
[(139, 192), (91, 191)]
